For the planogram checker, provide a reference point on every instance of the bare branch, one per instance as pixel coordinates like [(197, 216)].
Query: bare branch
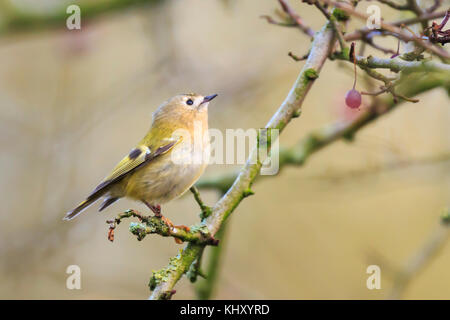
[(270, 20), (395, 5)]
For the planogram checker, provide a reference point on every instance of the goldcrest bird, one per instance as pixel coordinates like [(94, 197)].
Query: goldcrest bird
[(165, 163)]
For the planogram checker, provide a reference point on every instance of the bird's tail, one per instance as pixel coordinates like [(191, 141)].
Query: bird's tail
[(80, 208)]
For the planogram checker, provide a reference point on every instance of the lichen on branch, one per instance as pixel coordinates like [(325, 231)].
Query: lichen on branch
[(198, 234)]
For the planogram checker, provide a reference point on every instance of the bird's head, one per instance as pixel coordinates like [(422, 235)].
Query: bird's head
[(183, 109)]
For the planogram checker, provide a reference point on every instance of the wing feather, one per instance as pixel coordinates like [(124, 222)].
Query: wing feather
[(138, 157)]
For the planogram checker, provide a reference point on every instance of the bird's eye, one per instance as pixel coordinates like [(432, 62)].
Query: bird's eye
[(190, 102)]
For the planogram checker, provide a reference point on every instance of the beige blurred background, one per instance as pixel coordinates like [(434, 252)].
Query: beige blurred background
[(73, 103)]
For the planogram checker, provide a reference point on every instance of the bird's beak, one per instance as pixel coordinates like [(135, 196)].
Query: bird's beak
[(208, 98)]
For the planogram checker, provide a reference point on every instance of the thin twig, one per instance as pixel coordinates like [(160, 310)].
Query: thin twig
[(334, 23), (436, 4), (367, 35), (270, 20), (394, 29), (206, 211), (296, 18), (397, 65), (395, 5)]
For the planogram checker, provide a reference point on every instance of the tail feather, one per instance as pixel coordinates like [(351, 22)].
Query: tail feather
[(107, 203), (79, 209)]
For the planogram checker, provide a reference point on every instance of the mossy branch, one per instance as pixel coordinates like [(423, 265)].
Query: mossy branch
[(206, 211), (397, 64), (197, 234)]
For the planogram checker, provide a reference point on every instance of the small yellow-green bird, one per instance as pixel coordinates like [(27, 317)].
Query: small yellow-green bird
[(165, 163)]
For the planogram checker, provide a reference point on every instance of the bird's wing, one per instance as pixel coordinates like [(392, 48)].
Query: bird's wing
[(138, 157)]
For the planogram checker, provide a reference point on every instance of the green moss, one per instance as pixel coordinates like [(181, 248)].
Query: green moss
[(340, 14), (158, 277), (311, 143), (299, 90), (411, 56), (349, 136), (311, 74), (346, 53), (297, 113), (445, 216), (330, 24), (248, 192), (202, 228), (175, 263), (206, 211), (138, 230), (281, 124)]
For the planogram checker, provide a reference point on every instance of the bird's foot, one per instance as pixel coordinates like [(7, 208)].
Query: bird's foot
[(182, 226), (157, 211), (170, 224), (172, 228)]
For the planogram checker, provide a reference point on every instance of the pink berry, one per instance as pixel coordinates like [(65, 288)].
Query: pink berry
[(353, 99)]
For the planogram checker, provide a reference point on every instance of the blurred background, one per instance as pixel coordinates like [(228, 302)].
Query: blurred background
[(73, 103)]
